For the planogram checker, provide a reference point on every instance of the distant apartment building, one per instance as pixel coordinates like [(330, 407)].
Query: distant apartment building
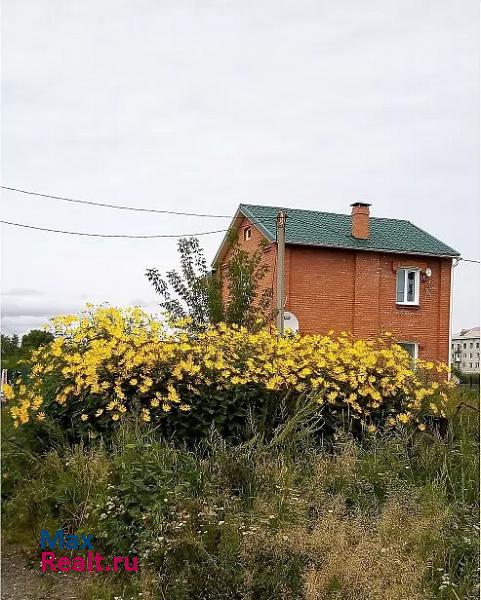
[(465, 350)]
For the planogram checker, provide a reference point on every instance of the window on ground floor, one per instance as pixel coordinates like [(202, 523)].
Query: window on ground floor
[(411, 348)]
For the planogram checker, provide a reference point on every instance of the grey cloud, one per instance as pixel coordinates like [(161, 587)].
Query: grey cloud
[(22, 292)]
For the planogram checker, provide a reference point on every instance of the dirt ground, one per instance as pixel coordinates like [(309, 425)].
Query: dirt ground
[(22, 580)]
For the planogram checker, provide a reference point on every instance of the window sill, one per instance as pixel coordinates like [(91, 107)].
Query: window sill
[(407, 305)]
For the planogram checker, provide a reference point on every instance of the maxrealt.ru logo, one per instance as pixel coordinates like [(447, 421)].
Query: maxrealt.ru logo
[(92, 562)]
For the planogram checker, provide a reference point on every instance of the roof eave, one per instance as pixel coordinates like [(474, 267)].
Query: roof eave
[(220, 252), (385, 250)]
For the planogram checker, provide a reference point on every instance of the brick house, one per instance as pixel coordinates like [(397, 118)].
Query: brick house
[(356, 273)]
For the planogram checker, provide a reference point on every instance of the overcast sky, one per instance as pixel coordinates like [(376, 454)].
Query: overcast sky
[(201, 105)]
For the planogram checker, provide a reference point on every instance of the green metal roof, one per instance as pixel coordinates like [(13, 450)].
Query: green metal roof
[(313, 228)]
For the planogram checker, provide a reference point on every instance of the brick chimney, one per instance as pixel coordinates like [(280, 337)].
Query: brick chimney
[(360, 220)]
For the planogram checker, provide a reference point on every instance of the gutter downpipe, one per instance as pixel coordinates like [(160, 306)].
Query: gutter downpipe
[(455, 262)]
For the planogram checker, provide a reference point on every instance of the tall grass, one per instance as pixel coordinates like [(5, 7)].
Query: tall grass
[(394, 516)]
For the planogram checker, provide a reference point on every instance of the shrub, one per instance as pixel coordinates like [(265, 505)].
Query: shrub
[(105, 364), (380, 518)]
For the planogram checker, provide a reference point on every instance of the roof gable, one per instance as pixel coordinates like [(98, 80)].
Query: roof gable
[(313, 228)]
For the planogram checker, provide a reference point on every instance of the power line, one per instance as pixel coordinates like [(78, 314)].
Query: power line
[(470, 260), (107, 235), (149, 210), (115, 206)]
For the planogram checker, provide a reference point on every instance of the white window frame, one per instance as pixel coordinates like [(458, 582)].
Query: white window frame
[(247, 233), (417, 281)]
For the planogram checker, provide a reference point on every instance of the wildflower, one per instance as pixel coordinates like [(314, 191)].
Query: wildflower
[(8, 391), (115, 356)]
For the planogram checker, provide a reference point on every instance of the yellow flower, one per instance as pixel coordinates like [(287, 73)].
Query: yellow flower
[(371, 428), (8, 391), (84, 417), (41, 416), (422, 427), (331, 396), (118, 354)]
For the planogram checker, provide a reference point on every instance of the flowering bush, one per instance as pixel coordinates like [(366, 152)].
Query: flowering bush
[(106, 363)]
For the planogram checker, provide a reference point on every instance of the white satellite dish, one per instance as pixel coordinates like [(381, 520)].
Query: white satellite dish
[(291, 322)]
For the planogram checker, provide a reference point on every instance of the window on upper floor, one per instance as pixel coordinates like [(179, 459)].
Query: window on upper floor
[(407, 286), (247, 233)]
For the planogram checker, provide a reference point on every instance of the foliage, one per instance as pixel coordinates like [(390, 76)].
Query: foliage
[(14, 352), (248, 304), (106, 363), (196, 293), (466, 378), (36, 338), (393, 516)]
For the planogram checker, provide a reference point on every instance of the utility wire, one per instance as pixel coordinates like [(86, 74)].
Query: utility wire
[(107, 235), (116, 206), (153, 210), (150, 210), (470, 260), (153, 236)]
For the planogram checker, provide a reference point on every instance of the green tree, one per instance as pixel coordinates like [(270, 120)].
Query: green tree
[(248, 303), (194, 291), (13, 352), (10, 351), (36, 338)]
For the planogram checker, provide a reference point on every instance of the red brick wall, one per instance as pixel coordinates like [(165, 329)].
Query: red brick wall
[(356, 291), (345, 290)]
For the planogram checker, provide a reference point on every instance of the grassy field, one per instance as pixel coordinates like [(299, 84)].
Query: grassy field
[(391, 517)]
